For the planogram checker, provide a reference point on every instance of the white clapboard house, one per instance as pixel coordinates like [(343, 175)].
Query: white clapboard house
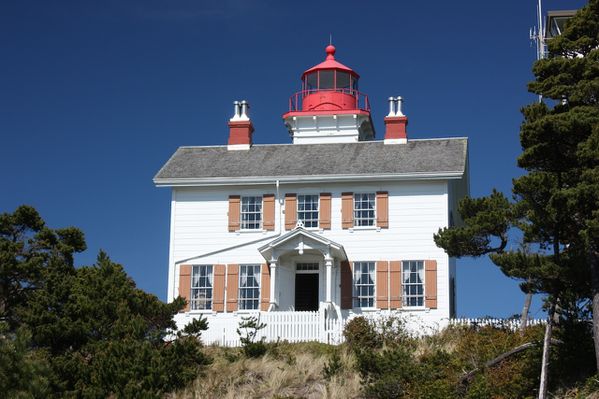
[(311, 233)]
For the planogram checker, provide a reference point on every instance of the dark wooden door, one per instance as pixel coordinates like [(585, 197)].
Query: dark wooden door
[(306, 292)]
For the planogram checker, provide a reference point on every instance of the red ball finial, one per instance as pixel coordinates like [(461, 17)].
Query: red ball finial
[(330, 52)]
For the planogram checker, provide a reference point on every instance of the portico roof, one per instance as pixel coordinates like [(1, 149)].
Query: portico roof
[(299, 240)]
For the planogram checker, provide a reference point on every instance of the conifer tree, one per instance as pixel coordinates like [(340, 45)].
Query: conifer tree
[(556, 202)]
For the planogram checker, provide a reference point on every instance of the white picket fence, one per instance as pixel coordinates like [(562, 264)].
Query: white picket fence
[(509, 324), (288, 326), (321, 326)]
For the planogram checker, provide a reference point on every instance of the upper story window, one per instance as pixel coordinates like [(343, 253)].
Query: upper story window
[(413, 283), (364, 275), (251, 213), (249, 287), (364, 209), (201, 287), (307, 210)]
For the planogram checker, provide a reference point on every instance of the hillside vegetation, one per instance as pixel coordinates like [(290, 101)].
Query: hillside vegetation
[(384, 361)]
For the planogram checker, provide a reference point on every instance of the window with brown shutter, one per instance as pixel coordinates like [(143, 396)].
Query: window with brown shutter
[(347, 285), (382, 292), (290, 211), (382, 209), (265, 288), (185, 285), (430, 283), (325, 211), (395, 290), (268, 209), (234, 210), (347, 210), (232, 282), (218, 299)]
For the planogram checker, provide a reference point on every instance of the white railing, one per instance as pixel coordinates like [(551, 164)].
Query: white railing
[(288, 326), (323, 326), (509, 324)]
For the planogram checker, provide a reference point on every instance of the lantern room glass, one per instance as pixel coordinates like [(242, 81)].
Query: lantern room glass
[(330, 80)]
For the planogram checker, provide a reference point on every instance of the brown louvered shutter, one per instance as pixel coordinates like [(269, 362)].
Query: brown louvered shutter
[(218, 289), (382, 292), (382, 209), (290, 211), (265, 287), (185, 285), (234, 210), (347, 285), (268, 210), (325, 211), (395, 284), (347, 210), (430, 284), (232, 287)]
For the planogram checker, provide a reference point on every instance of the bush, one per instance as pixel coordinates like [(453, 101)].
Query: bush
[(360, 334), (248, 330), (333, 366)]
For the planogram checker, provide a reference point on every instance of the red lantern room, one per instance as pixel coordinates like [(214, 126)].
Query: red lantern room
[(329, 89)]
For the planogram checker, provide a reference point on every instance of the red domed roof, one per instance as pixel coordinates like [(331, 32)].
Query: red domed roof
[(330, 63)]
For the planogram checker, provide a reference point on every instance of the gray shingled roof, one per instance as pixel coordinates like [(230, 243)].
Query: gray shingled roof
[(417, 157)]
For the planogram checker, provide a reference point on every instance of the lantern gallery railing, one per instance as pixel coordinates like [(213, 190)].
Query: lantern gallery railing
[(297, 99)]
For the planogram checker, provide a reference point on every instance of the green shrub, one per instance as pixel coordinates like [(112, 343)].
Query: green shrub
[(248, 330), (333, 366), (361, 334)]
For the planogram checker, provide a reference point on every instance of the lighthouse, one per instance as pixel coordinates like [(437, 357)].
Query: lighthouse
[(329, 108)]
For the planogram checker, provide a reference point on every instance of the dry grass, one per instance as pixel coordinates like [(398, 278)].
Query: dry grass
[(296, 372)]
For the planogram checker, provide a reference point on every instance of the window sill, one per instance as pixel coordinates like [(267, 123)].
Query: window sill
[(363, 228), (366, 310), (196, 312), (415, 309), (250, 231), (246, 311)]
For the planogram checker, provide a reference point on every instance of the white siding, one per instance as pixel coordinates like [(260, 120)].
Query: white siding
[(416, 211)]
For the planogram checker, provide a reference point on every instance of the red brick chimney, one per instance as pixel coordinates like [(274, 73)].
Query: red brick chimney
[(396, 123), (240, 128)]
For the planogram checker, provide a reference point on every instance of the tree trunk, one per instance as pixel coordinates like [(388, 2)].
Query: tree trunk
[(594, 262), (525, 310), (546, 353)]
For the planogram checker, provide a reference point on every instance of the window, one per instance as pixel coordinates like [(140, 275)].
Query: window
[(307, 210), (413, 283), (363, 284), (306, 267), (249, 287), (201, 287), (342, 80), (325, 80), (251, 213), (312, 81), (364, 207)]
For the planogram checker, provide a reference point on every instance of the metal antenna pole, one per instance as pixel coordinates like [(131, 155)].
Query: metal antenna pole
[(540, 37)]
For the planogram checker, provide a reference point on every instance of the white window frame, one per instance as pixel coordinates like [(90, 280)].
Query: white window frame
[(307, 268), (243, 225), (358, 299), (202, 288), (309, 224), (406, 295), (249, 302), (357, 220)]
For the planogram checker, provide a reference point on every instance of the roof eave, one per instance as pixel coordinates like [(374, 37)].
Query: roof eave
[(227, 181)]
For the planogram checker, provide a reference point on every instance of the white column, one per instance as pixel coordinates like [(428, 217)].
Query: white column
[(273, 285), (328, 262)]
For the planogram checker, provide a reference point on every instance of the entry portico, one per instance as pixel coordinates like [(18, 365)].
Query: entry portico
[(304, 270)]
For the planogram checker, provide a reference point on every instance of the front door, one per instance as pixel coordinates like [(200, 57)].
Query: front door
[(306, 292)]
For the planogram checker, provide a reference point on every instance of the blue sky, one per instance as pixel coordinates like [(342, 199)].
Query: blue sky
[(96, 95)]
